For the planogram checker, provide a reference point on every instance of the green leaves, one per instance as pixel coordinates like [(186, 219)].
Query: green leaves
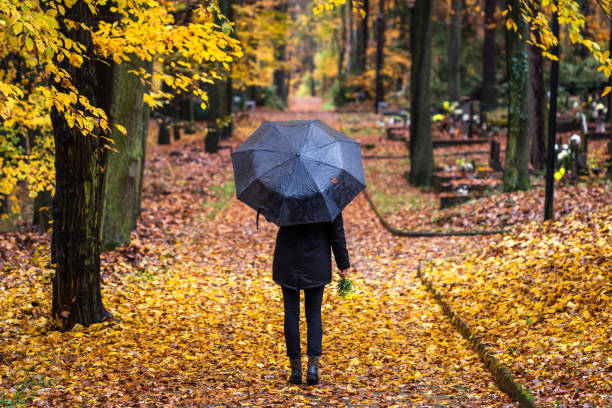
[(345, 288)]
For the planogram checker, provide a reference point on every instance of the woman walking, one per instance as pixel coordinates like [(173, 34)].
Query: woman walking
[(302, 261)]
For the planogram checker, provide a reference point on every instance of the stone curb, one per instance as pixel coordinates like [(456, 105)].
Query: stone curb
[(501, 375)]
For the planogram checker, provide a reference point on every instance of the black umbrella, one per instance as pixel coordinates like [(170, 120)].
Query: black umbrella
[(298, 172)]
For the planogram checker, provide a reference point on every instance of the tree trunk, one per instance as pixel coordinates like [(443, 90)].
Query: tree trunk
[(226, 132), (488, 97), (380, 48), (146, 114), (350, 58), (211, 142), (454, 52), (311, 65), (403, 44), (538, 108), (220, 101), (421, 149), (77, 205), (42, 207), (342, 42), (122, 175), (609, 172), (280, 74), (516, 169), (163, 135), (362, 38)]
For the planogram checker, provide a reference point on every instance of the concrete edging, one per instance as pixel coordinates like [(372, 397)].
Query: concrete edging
[(500, 374)]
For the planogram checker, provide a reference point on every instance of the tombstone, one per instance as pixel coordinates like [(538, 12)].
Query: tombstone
[(483, 120), (585, 132), (495, 157), (380, 105), (250, 105)]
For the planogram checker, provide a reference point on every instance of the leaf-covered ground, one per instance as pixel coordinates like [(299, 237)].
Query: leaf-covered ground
[(198, 319), (541, 299)]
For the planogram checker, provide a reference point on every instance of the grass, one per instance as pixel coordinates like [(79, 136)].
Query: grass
[(391, 192), (222, 194), (22, 393)]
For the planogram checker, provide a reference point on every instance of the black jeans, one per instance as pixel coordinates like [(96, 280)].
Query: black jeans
[(314, 327)]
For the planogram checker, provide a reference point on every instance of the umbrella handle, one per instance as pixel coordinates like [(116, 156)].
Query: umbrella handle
[(257, 218)]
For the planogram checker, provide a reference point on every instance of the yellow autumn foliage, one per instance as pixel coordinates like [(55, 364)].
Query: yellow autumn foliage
[(541, 299), (33, 79)]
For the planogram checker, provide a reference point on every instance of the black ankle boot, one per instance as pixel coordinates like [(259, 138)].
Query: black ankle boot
[(296, 371), (312, 375)]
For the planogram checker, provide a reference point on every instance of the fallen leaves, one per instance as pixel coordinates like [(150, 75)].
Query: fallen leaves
[(198, 319), (541, 298)]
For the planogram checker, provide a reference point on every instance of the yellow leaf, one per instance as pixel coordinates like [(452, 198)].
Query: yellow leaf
[(121, 129)]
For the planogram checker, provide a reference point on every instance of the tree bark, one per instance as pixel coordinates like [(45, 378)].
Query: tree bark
[(163, 134), (350, 57), (516, 169), (454, 52), (342, 42), (146, 115), (488, 95), (380, 48), (538, 107), (311, 65), (226, 131), (280, 74), (220, 101), (122, 176), (42, 206), (421, 149), (362, 38), (609, 171), (215, 108), (77, 205)]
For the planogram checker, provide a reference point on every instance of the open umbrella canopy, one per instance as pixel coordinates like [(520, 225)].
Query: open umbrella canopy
[(298, 172)]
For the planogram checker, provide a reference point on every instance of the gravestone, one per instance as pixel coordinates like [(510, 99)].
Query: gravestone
[(495, 157)]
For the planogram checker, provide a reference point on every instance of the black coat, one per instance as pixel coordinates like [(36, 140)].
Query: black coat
[(302, 256)]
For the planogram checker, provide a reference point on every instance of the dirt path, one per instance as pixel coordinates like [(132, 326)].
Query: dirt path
[(390, 345)]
